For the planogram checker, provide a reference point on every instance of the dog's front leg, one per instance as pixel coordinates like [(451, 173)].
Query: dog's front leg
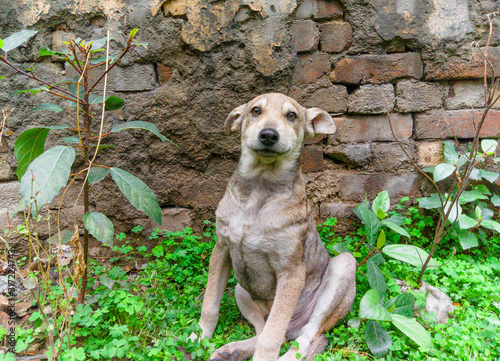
[(218, 275), (290, 283)]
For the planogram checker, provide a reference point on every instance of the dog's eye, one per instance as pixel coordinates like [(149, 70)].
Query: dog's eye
[(291, 116), (256, 111)]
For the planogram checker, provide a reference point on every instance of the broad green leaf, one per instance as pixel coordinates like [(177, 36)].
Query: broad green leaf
[(470, 196), (98, 44), (466, 222), (380, 214), (48, 52), (409, 254), (138, 124), (99, 226), (1, 43), (382, 202), (430, 202), (397, 220), (454, 211), (489, 176), (462, 160), (475, 174), (47, 106), (483, 189), (114, 103), (341, 247), (429, 169), (34, 90), (102, 59), (96, 174), (371, 308), (65, 234), (489, 146), (450, 153), (495, 199), (17, 39), (478, 212), (71, 140), (396, 228), (46, 175), (137, 193), (371, 222), (495, 226), (411, 328), (375, 277), (443, 171), (381, 240), (377, 339), (468, 239), (133, 32), (106, 281), (27, 147), (402, 304)]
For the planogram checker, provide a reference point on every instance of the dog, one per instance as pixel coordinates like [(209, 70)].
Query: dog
[(288, 286)]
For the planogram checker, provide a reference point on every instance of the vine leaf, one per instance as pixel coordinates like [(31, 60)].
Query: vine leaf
[(46, 175), (377, 339), (96, 174), (403, 304), (410, 254), (396, 228), (371, 308), (411, 328), (137, 193), (47, 106), (375, 277), (468, 239), (137, 124), (27, 147), (99, 226), (443, 171), (17, 39)]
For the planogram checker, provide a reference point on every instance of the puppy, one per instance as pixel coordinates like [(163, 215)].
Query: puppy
[(288, 286)]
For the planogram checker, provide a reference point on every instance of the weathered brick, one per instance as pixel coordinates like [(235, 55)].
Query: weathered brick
[(58, 37), (389, 156), (9, 197), (371, 99), (354, 185), (319, 9), (305, 35), (310, 67), (175, 8), (430, 154), (175, 219), (442, 124), (335, 36), (372, 128), (465, 94), (377, 68), (164, 73), (352, 154), (458, 68), (312, 159), (415, 96), (336, 209), (5, 171), (332, 99)]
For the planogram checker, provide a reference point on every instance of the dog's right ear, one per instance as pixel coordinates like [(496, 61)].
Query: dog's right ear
[(234, 120)]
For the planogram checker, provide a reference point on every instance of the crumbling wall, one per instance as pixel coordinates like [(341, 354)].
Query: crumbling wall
[(206, 57)]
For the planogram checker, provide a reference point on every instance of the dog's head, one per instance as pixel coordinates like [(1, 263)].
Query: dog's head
[(275, 126)]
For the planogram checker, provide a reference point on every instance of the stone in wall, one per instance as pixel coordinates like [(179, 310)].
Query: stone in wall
[(415, 96), (371, 99), (465, 94), (319, 9), (310, 67), (305, 35), (335, 36), (332, 99)]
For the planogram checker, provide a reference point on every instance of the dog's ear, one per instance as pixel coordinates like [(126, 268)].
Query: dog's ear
[(234, 119), (319, 122)]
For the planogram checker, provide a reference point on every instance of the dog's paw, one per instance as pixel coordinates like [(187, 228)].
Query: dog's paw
[(225, 356)]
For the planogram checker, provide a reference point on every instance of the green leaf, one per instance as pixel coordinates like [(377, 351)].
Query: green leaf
[(470, 196), (71, 140), (381, 240), (371, 308), (137, 193), (50, 173), (102, 59), (401, 304), (96, 174), (371, 222), (454, 212), (114, 103), (475, 174), (380, 214), (48, 52), (489, 146), (377, 339), (495, 226), (1, 43), (17, 39), (443, 171), (382, 202), (27, 147), (450, 153), (30, 282), (489, 176), (409, 254), (495, 200), (341, 247), (468, 239), (34, 90), (98, 44), (99, 226), (66, 235), (430, 202), (466, 222), (396, 228), (133, 32), (411, 328), (47, 106), (137, 124), (375, 277), (106, 281)]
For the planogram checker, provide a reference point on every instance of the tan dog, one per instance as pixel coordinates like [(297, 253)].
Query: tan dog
[(288, 286)]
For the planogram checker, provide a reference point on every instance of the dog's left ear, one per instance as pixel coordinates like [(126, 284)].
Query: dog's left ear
[(319, 122), (234, 120)]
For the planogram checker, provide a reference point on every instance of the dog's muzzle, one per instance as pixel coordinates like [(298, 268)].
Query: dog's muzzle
[(269, 137)]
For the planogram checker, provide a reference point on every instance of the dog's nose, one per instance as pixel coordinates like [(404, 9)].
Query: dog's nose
[(268, 136)]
